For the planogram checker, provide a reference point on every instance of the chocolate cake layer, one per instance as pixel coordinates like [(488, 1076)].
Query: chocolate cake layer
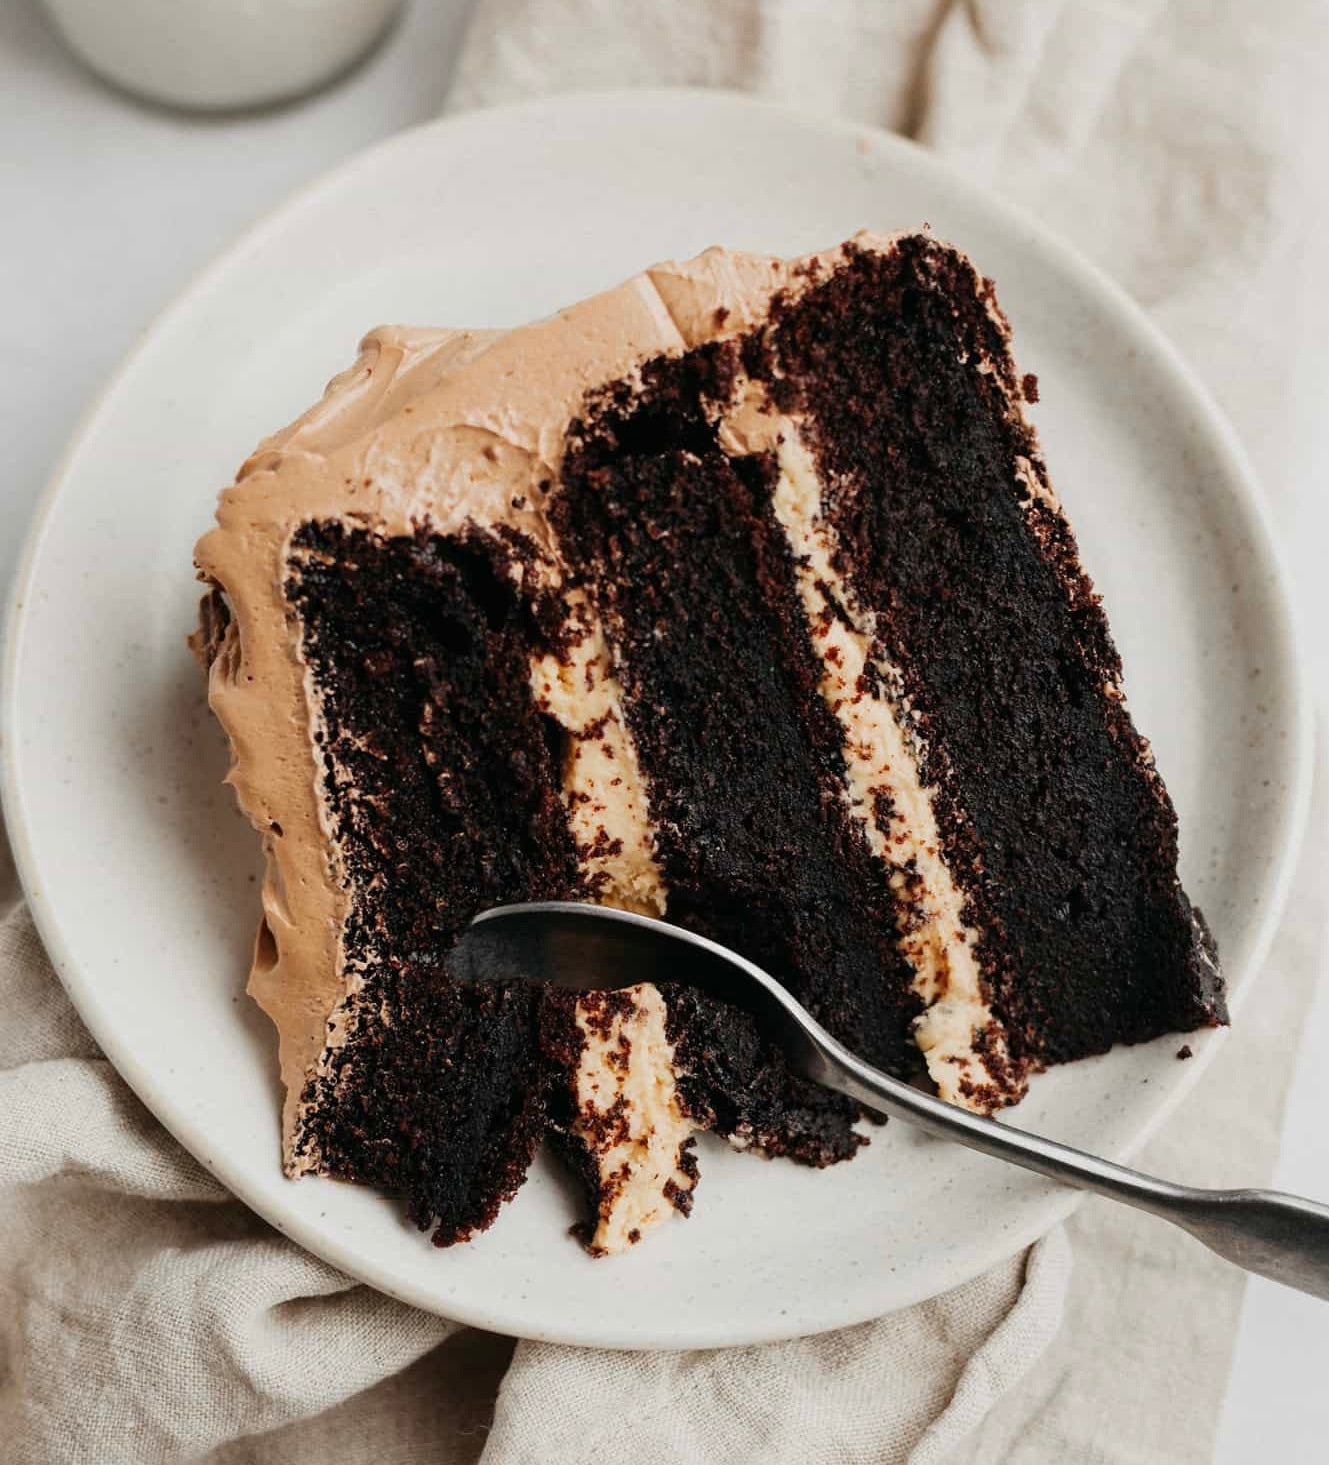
[(677, 546), (442, 785), (1057, 825)]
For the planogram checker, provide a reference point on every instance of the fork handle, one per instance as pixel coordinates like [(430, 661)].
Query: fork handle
[(1283, 1237)]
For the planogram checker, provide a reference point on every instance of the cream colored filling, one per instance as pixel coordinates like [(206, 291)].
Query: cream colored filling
[(881, 760), (630, 1118), (602, 782), (627, 1069)]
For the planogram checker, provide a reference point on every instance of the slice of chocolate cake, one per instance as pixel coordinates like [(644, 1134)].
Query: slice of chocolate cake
[(737, 595)]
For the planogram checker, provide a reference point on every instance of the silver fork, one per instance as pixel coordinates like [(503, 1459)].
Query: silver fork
[(585, 948)]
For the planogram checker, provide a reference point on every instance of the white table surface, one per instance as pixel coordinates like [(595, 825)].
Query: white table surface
[(110, 207)]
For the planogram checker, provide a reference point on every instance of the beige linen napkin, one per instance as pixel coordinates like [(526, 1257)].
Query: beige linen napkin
[(145, 1316)]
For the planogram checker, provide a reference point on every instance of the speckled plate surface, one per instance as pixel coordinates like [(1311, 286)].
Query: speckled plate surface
[(141, 874)]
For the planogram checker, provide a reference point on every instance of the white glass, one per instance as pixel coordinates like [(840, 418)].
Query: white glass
[(219, 54)]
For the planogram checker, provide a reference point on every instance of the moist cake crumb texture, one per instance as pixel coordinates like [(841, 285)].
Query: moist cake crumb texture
[(739, 595), (443, 783)]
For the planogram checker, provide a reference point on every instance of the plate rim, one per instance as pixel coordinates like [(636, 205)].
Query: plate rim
[(1281, 622)]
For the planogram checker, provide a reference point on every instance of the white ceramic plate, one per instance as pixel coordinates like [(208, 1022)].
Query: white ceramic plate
[(141, 874)]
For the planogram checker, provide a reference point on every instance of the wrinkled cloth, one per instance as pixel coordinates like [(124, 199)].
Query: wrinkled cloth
[(147, 1316)]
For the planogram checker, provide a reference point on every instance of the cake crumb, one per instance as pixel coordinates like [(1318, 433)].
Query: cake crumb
[(1185, 1051)]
